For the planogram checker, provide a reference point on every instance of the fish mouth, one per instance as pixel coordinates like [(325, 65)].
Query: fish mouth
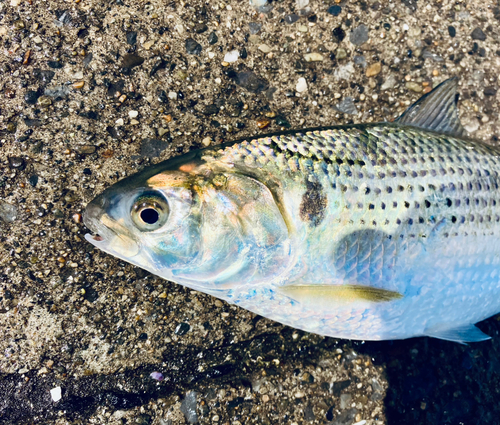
[(109, 235)]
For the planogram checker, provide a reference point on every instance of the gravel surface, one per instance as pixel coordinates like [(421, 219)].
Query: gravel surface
[(94, 91)]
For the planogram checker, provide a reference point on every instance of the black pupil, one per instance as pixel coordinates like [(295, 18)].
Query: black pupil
[(149, 215)]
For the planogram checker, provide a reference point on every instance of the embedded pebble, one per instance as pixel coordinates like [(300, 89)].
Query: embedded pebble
[(56, 394), (373, 69), (347, 106), (290, 19), (264, 48), (133, 114), (188, 407), (360, 61), (192, 47), (157, 376), (478, 34), (359, 36), (415, 87), (254, 27), (231, 56), (313, 57), (8, 212), (389, 83), (340, 53), (334, 10), (301, 85)]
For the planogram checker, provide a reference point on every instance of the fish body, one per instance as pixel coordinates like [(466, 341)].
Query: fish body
[(373, 232)]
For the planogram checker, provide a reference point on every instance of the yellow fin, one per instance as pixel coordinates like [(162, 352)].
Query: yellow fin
[(305, 293)]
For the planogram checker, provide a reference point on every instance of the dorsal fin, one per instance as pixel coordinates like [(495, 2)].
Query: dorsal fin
[(436, 110)]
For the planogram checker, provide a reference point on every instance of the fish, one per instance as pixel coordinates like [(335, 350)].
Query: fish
[(376, 231)]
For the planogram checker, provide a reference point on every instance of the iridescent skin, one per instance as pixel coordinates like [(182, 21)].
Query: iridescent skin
[(381, 206)]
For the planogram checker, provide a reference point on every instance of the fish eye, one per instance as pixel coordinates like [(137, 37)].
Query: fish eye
[(149, 211)]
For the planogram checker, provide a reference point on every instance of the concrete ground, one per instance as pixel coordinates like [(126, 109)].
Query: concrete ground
[(94, 91)]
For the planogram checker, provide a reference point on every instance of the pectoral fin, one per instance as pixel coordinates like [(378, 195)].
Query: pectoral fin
[(461, 334), (327, 294)]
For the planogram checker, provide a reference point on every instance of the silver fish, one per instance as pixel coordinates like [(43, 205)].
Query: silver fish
[(372, 231)]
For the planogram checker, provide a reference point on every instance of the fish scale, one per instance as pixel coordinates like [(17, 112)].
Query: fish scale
[(368, 231)]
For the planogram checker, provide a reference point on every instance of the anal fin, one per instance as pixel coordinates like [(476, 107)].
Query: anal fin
[(461, 334)]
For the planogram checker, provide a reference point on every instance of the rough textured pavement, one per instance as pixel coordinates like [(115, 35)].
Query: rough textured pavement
[(94, 91)]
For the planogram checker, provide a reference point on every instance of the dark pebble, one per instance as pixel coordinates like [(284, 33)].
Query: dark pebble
[(212, 38), (115, 132), (44, 76), (192, 47), (55, 64), (182, 328), (250, 81), (130, 61), (32, 122), (87, 171), (143, 336), (211, 110), (200, 28), (452, 31), (91, 115), (131, 37), (290, 19), (91, 295), (17, 162), (31, 97), (243, 53), (338, 34), (143, 420), (334, 10), (33, 180), (329, 413), (87, 59), (84, 32), (359, 36), (478, 34), (490, 91), (254, 27), (282, 122), (162, 96), (152, 148), (159, 64), (309, 413)]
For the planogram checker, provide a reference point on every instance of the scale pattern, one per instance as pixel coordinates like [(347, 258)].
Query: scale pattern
[(407, 210)]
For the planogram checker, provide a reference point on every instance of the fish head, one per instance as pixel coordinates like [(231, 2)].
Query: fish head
[(195, 223)]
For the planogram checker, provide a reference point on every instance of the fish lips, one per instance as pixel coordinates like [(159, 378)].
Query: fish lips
[(110, 235)]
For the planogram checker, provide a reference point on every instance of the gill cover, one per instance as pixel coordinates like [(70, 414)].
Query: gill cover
[(243, 236)]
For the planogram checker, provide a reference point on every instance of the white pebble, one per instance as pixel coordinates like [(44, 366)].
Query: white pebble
[(301, 3), (119, 121), (258, 3), (55, 393), (133, 114), (264, 48), (231, 56), (172, 95), (211, 55), (313, 57), (301, 85)]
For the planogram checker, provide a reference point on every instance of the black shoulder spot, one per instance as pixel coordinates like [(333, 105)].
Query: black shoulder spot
[(313, 204)]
